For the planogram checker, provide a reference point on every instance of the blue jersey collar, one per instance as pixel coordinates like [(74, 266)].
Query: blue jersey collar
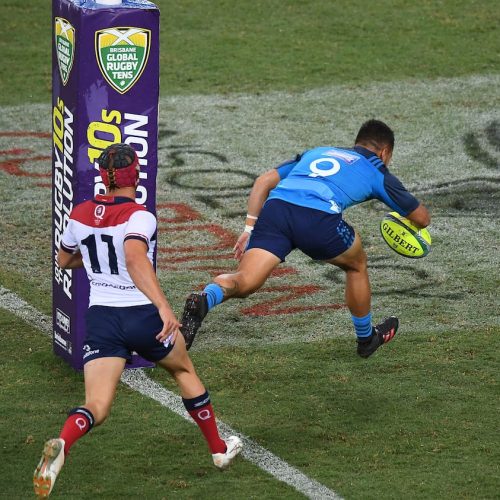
[(364, 151), (371, 157)]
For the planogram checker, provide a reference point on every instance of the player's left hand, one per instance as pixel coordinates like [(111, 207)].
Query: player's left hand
[(170, 325), (241, 245)]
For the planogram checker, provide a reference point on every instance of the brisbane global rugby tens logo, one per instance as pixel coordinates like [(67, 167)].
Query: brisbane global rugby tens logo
[(122, 54), (65, 47)]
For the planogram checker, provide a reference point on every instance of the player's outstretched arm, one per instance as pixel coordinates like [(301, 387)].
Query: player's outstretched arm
[(420, 216), (260, 191), (144, 277), (258, 195), (68, 260)]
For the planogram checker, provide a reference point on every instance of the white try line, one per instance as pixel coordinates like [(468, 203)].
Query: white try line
[(140, 382)]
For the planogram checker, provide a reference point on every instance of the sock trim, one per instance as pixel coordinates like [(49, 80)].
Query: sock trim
[(215, 295), (86, 413), (363, 326), (196, 403)]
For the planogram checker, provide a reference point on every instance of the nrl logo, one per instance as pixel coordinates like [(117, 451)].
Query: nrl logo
[(65, 47), (122, 54)]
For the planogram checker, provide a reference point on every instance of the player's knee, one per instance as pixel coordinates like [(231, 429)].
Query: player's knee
[(357, 262), (100, 411), (360, 265), (361, 262)]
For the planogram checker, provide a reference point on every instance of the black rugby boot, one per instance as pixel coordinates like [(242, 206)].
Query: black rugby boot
[(381, 334), (195, 310)]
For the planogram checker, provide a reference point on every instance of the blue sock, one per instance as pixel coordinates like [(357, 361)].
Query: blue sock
[(363, 326), (215, 295)]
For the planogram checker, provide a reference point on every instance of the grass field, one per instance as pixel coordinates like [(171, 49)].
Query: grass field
[(245, 86)]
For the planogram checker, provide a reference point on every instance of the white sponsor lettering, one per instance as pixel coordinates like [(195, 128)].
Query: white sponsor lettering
[(122, 75), (136, 135), (63, 188), (59, 339), (90, 353), (63, 321)]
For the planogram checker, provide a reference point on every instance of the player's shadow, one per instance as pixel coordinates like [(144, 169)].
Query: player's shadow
[(425, 286)]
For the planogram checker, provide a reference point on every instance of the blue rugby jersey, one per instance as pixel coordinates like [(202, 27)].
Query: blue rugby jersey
[(332, 179)]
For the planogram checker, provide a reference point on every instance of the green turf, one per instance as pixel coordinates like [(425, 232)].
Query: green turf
[(232, 46), (418, 420), (409, 422), (143, 451)]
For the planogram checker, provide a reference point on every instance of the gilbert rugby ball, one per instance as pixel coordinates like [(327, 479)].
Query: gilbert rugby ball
[(403, 237)]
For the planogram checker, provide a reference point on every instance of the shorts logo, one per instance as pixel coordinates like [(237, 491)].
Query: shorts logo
[(122, 54), (63, 321), (88, 351), (65, 47)]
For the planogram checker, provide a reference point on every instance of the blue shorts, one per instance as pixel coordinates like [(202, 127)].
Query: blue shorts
[(282, 226), (118, 331)]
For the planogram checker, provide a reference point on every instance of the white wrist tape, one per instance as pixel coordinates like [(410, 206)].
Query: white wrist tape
[(248, 229), (252, 217)]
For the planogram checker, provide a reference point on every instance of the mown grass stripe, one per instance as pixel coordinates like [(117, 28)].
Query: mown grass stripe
[(140, 382), (13, 303), (226, 139)]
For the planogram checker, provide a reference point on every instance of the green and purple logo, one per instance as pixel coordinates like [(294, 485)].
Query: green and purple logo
[(65, 47), (122, 54)]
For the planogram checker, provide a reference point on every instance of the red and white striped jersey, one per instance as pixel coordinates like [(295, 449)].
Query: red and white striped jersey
[(99, 229)]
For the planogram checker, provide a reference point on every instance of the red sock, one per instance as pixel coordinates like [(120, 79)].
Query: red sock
[(78, 423), (204, 416)]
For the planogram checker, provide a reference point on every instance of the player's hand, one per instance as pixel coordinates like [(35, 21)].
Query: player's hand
[(241, 245), (170, 325)]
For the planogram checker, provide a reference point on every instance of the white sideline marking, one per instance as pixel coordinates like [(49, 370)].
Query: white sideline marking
[(13, 303), (140, 382)]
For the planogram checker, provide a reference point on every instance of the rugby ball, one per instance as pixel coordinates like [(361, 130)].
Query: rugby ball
[(403, 237)]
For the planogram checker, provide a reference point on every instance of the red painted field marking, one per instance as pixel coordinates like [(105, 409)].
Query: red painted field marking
[(189, 258), (14, 166), (182, 258)]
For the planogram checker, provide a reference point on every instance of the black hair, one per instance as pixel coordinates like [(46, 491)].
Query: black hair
[(376, 133), (118, 155)]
